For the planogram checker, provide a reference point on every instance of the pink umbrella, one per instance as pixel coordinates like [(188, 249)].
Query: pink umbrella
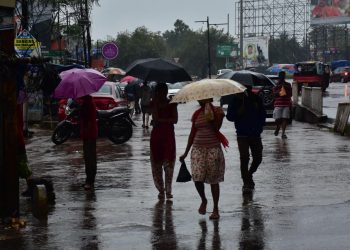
[(128, 79), (76, 83)]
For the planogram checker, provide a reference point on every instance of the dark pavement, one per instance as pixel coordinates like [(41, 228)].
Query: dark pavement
[(301, 199)]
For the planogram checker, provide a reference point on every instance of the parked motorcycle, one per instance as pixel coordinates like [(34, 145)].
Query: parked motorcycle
[(114, 123)]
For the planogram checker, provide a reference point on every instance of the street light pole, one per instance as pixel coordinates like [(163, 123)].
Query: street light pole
[(208, 37), (209, 57), (241, 32)]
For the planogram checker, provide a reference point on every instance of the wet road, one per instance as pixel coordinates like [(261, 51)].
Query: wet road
[(301, 199), (334, 95)]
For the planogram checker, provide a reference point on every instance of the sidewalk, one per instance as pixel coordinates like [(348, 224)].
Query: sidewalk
[(300, 202)]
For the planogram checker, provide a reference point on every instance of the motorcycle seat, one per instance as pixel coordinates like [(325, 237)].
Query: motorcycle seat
[(111, 112)]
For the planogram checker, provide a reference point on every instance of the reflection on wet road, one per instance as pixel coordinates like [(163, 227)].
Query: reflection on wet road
[(252, 233), (301, 199)]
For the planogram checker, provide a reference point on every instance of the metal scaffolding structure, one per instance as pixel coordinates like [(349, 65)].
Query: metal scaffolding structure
[(274, 17)]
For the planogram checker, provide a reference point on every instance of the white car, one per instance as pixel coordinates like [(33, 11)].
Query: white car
[(222, 71), (173, 88)]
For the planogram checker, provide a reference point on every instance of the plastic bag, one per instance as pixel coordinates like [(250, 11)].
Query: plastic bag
[(283, 91), (184, 175)]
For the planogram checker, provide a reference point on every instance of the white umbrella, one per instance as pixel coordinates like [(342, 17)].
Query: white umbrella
[(207, 88)]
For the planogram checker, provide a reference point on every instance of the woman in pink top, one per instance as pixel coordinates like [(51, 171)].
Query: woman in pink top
[(207, 158)]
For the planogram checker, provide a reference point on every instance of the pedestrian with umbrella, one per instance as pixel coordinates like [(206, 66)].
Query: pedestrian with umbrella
[(79, 84), (162, 142), (205, 138), (248, 113)]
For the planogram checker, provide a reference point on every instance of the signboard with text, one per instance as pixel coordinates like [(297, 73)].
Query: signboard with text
[(8, 3), (226, 50), (25, 44)]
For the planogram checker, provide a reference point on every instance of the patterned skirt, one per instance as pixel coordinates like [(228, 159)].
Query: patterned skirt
[(208, 164)]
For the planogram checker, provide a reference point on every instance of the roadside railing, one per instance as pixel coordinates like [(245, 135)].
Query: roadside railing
[(311, 98)]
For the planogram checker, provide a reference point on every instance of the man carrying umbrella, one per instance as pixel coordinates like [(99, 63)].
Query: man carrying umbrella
[(248, 113)]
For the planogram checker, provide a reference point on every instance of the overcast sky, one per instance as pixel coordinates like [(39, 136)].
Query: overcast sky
[(113, 16)]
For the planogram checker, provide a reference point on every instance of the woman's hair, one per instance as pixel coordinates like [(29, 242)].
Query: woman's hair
[(161, 86)]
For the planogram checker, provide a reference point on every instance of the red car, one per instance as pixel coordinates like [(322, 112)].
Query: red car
[(341, 74), (109, 96)]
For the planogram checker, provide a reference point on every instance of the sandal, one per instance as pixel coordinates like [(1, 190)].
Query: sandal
[(169, 196), (214, 216)]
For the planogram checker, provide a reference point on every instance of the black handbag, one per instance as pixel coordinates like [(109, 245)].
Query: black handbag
[(184, 175)]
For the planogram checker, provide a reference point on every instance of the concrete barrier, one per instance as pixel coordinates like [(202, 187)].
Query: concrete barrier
[(310, 108)]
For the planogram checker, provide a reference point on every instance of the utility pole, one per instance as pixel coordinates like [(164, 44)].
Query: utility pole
[(9, 184), (241, 33), (209, 57), (208, 38), (88, 36), (83, 27)]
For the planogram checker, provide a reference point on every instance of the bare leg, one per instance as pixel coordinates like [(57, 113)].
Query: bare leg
[(215, 191), (278, 126), (147, 119), (169, 171), (284, 125), (157, 172), (200, 189)]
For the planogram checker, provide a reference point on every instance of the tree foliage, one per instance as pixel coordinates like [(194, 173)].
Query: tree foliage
[(141, 43), (287, 50), (187, 46)]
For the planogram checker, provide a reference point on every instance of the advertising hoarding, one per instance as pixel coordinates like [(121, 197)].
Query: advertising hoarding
[(330, 12), (256, 51)]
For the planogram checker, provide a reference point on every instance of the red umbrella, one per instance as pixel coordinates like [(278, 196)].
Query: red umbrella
[(128, 79)]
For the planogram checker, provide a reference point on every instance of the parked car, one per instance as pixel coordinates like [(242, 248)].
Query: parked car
[(173, 88), (276, 68), (340, 74), (312, 74), (108, 97), (261, 85), (222, 71)]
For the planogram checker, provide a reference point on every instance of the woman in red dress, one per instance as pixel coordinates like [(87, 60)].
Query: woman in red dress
[(163, 148), (89, 133)]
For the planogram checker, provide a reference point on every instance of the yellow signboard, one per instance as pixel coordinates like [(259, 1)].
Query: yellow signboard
[(26, 43), (8, 3)]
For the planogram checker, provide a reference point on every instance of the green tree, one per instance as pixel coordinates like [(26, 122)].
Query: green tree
[(286, 50), (137, 45)]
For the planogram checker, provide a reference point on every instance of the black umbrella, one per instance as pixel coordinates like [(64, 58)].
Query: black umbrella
[(159, 70), (245, 77)]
